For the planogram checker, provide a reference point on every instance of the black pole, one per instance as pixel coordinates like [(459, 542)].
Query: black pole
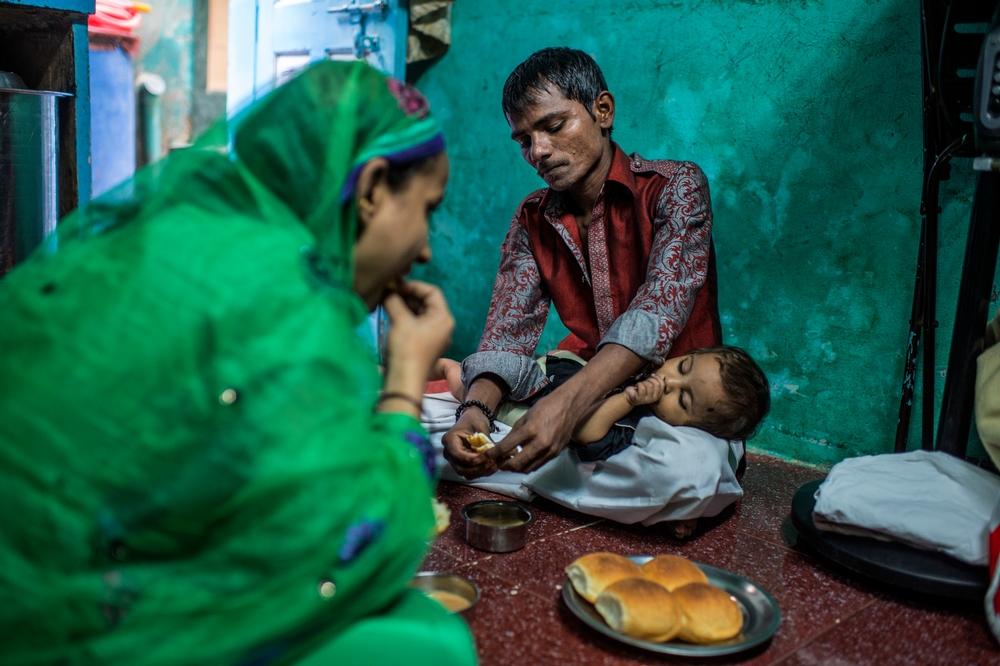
[(910, 360), (970, 316), (929, 261)]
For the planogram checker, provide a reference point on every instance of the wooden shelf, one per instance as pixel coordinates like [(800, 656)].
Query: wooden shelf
[(45, 42)]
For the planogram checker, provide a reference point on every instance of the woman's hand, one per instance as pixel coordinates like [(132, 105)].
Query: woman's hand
[(420, 327), (646, 392)]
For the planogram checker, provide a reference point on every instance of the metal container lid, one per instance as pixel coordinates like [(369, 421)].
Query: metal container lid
[(10, 80), (14, 84)]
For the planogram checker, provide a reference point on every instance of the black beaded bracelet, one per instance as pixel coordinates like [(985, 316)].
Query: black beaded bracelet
[(481, 406)]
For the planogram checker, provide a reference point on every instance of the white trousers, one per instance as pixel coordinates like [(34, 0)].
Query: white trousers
[(669, 473)]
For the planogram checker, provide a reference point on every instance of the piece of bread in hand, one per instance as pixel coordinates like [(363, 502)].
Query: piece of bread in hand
[(479, 441), (595, 571), (640, 608), (710, 614), (673, 571)]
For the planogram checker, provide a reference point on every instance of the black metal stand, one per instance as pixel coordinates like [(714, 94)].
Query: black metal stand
[(970, 318), (948, 50), (891, 563)]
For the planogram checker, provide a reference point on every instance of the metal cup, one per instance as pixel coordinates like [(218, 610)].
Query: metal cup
[(497, 526)]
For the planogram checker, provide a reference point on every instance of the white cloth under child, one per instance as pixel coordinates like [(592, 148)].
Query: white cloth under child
[(926, 499), (668, 473)]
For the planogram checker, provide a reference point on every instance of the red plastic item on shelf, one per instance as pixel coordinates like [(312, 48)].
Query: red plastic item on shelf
[(116, 18)]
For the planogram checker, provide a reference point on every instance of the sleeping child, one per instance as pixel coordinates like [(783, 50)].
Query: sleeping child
[(719, 390)]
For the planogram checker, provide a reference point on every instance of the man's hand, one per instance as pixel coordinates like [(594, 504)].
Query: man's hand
[(539, 435), (646, 392), (457, 451), (546, 429)]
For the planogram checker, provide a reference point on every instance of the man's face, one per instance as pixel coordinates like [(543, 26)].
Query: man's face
[(560, 139)]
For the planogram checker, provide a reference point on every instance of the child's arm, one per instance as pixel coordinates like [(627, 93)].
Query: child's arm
[(611, 409)]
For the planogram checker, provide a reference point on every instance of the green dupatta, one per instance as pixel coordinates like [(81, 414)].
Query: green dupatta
[(189, 461)]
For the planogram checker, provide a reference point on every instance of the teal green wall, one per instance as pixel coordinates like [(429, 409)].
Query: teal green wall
[(166, 47), (805, 116)]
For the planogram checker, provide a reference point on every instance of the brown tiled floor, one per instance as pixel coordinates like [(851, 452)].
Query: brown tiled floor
[(828, 617)]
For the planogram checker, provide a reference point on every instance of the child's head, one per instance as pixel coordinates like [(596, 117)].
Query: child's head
[(718, 389)]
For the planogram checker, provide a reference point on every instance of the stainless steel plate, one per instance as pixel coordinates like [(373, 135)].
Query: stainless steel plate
[(761, 616)]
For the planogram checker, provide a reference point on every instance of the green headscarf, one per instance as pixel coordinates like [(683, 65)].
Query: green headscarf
[(189, 459), (298, 151)]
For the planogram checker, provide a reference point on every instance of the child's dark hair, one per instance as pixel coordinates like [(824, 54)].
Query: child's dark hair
[(748, 395), (572, 72)]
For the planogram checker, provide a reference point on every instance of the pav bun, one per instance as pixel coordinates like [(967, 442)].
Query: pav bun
[(709, 614), (593, 572), (640, 608), (442, 516), (479, 441), (673, 571)]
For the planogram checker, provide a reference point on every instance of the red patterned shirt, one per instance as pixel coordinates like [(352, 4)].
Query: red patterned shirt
[(647, 282)]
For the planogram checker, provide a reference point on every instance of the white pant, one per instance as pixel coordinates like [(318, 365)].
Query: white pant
[(669, 472)]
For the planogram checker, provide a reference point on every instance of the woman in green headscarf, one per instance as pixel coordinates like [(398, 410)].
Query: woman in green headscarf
[(199, 461)]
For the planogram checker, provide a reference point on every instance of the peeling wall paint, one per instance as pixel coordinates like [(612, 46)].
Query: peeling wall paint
[(806, 117)]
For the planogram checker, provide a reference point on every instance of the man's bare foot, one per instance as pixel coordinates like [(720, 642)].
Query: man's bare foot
[(683, 529)]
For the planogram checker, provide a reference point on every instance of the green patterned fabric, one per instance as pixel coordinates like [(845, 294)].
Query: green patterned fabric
[(190, 467)]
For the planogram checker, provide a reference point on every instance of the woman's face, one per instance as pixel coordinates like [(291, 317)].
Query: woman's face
[(394, 228)]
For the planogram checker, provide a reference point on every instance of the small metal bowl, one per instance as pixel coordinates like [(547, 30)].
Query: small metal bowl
[(454, 592), (496, 526)]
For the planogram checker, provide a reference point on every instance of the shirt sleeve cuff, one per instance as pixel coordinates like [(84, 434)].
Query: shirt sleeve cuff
[(521, 373), (638, 331)]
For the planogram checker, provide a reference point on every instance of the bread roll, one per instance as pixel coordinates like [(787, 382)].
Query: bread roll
[(673, 571), (595, 571), (710, 614), (442, 516), (640, 608), (479, 442)]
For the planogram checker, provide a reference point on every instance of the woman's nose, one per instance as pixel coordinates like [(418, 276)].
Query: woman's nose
[(425, 255)]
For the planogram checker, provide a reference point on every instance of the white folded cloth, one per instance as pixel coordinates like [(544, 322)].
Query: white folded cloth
[(926, 499), (669, 473)]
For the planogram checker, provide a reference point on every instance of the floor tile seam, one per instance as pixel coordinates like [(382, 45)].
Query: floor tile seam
[(819, 634), (538, 595), (771, 542), (533, 543), (774, 542), (459, 562), (491, 558), (578, 527)]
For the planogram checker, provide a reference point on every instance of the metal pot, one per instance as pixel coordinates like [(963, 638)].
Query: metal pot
[(29, 169), (454, 592)]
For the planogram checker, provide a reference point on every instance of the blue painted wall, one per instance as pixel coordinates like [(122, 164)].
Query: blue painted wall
[(112, 117), (806, 117)]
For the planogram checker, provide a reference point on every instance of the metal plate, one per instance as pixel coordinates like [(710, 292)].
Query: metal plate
[(761, 616)]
